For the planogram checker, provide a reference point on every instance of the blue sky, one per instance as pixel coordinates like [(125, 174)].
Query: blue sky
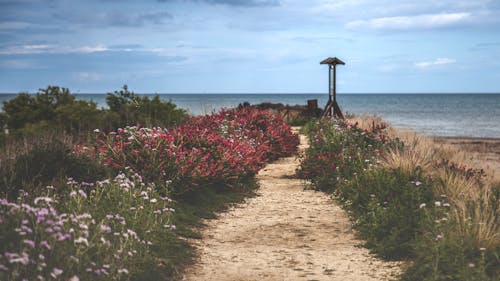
[(252, 46)]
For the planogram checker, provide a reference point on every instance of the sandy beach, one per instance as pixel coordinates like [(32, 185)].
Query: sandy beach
[(482, 152)]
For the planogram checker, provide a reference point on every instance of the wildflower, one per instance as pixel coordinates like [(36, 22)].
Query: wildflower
[(82, 193), (30, 243), (153, 200), (46, 199), (123, 270), (471, 265), (439, 237), (44, 243), (437, 204), (422, 205), (446, 204), (482, 249), (97, 131), (81, 240), (105, 228), (3, 267), (418, 183), (74, 278)]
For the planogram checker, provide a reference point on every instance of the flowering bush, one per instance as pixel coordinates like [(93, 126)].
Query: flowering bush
[(220, 148), (107, 230), (338, 151)]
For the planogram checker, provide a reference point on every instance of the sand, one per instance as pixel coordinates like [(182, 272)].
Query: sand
[(285, 233), (482, 152)]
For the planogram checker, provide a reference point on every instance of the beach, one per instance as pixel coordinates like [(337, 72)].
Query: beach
[(482, 152)]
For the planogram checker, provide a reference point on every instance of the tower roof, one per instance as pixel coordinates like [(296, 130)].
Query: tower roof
[(332, 61)]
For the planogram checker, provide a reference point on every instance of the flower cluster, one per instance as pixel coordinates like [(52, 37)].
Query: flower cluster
[(219, 148), (94, 231), (339, 150)]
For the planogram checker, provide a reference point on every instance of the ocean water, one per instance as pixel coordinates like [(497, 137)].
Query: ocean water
[(468, 115)]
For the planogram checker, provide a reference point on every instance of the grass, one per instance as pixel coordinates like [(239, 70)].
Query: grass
[(421, 200)]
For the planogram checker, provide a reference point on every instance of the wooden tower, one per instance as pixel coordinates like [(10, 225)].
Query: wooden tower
[(332, 109)]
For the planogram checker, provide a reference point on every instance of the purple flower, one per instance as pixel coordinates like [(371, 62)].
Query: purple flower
[(82, 193), (30, 243), (105, 228), (44, 243), (56, 272)]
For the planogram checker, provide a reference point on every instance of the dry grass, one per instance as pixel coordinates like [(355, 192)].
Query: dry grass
[(475, 210)]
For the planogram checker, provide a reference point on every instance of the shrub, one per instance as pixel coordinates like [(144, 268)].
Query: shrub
[(51, 108), (129, 109), (47, 162), (387, 206), (108, 230), (222, 148), (338, 151)]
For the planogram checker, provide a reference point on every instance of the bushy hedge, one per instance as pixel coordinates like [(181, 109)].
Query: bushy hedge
[(223, 148)]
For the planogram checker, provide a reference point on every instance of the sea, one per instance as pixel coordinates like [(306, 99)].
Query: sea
[(459, 115)]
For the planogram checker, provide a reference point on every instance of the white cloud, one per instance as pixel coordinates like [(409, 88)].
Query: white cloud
[(436, 62), (426, 21), (87, 76), (50, 49)]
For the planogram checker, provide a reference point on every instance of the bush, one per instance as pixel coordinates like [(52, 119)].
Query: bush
[(223, 148), (338, 151), (56, 109), (47, 163), (51, 108), (129, 109), (388, 208), (117, 229)]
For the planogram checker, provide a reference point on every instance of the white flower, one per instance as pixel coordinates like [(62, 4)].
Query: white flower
[(97, 131), (422, 205), (56, 272), (81, 240), (46, 199), (437, 204)]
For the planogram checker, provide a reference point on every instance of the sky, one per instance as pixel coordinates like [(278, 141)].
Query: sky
[(250, 46)]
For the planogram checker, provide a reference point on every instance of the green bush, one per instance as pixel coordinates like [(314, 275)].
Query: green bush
[(47, 164), (129, 109), (56, 109), (388, 207), (52, 108)]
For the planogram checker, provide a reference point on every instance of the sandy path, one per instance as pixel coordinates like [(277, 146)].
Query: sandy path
[(285, 233)]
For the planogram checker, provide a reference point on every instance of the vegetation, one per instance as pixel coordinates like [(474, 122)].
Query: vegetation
[(86, 225), (407, 200), (56, 109)]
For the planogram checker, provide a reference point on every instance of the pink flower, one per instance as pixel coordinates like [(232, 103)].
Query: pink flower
[(30, 243), (56, 272)]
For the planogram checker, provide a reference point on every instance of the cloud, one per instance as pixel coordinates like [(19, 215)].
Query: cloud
[(50, 49), (436, 62), (138, 20), (248, 3), (14, 25), (427, 21)]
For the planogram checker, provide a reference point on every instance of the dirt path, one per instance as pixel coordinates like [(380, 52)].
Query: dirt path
[(285, 233)]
